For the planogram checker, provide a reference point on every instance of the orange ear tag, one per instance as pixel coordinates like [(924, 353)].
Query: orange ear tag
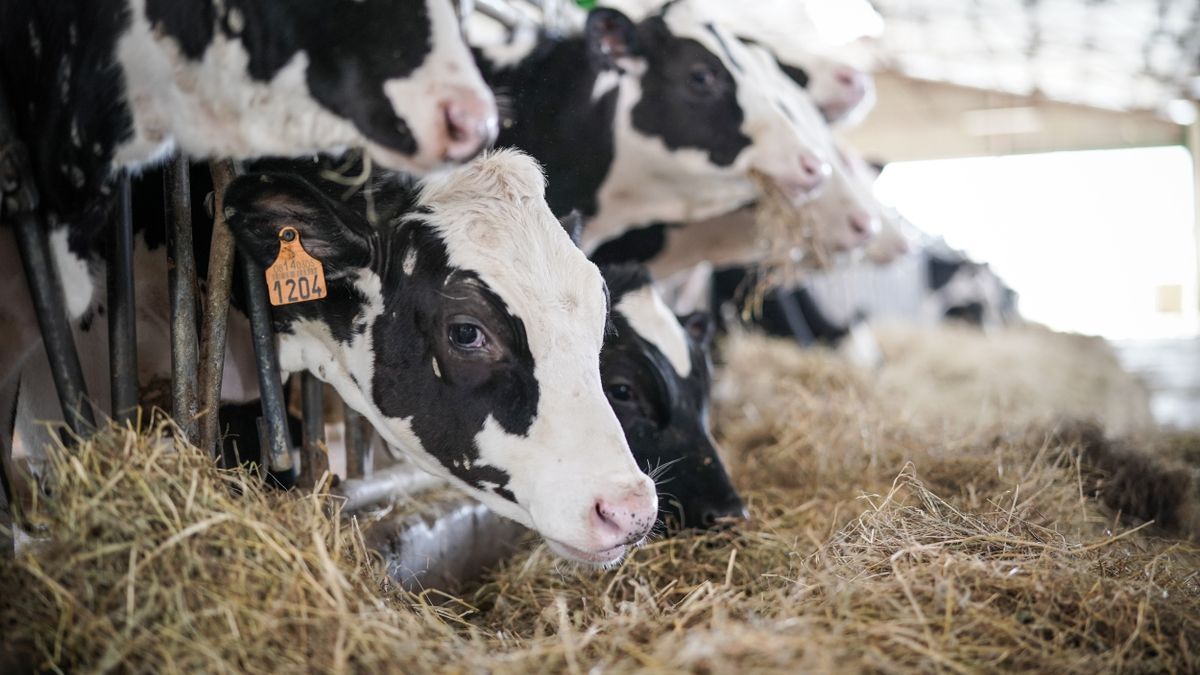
[(295, 276)]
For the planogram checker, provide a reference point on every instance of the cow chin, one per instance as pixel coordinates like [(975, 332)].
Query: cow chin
[(602, 559), (420, 164)]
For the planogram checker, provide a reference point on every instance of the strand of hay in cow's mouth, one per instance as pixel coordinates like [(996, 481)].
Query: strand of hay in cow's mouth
[(879, 542)]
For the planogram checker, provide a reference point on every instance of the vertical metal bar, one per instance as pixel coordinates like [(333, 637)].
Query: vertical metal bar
[(359, 460), (313, 460), (216, 311), (122, 310), (19, 205), (181, 281), (278, 446), (793, 315), (50, 303)]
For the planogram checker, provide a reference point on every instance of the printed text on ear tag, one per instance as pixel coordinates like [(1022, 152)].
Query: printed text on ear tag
[(295, 276)]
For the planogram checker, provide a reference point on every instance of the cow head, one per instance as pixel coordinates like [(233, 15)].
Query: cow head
[(467, 327), (844, 94), (696, 111), (248, 78), (657, 377)]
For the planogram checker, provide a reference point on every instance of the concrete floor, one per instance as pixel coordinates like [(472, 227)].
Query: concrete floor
[(1171, 370)]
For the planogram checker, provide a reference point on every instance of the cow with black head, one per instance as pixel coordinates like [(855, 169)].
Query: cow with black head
[(661, 120), (466, 326), (657, 376)]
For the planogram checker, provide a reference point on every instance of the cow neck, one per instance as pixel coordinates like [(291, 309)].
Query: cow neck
[(69, 103), (554, 117)]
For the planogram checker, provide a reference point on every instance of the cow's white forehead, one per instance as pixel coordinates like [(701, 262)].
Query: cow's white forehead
[(684, 21), (494, 220), (654, 323)]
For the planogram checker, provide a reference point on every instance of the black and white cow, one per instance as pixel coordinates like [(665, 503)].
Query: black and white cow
[(784, 312), (656, 121), (657, 376), (843, 216), (466, 326), (98, 86), (961, 289)]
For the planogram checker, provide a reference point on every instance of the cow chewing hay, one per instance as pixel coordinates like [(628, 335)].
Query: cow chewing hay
[(879, 542)]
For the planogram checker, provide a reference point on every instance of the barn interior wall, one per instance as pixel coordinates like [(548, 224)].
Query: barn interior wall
[(919, 119)]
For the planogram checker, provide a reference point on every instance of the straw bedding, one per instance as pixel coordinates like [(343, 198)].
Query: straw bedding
[(970, 529)]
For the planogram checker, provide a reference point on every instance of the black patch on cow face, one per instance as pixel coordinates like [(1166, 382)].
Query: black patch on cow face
[(970, 313), (795, 73), (352, 49), (67, 103), (449, 355), (941, 271), (689, 98), (665, 416)]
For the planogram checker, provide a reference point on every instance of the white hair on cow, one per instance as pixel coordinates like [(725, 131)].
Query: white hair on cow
[(532, 262), (653, 321)]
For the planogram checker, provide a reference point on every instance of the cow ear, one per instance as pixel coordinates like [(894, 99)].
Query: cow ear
[(573, 224), (258, 206), (700, 328), (611, 37)]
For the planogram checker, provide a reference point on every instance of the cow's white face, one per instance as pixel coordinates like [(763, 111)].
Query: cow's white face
[(245, 79), (843, 93), (468, 329), (696, 111)]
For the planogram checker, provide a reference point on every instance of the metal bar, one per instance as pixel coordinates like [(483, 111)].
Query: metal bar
[(359, 456), (20, 207), (216, 311), (387, 484), (793, 316), (278, 447), (122, 310), (50, 304), (502, 12), (313, 460), (181, 282)]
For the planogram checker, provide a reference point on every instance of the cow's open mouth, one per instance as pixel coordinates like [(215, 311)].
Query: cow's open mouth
[(600, 558)]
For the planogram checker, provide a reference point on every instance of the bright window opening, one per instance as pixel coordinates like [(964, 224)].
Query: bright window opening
[(1099, 242)]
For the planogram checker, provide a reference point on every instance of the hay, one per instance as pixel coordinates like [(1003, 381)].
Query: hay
[(966, 381), (877, 544), (159, 562)]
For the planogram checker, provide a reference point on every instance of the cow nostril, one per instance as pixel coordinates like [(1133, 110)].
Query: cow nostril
[(722, 517), (456, 126), (604, 517), (813, 168)]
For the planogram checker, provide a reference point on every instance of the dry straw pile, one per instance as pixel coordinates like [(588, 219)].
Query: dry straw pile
[(882, 540)]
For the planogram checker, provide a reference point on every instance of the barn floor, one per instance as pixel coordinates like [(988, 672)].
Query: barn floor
[(963, 520)]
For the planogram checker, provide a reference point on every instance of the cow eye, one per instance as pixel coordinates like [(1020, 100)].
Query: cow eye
[(702, 77), (620, 392), (467, 336)]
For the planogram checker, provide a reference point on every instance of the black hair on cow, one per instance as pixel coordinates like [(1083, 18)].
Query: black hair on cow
[(611, 36), (665, 412), (573, 224)]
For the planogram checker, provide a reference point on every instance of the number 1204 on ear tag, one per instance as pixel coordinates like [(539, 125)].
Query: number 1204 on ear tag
[(295, 276)]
